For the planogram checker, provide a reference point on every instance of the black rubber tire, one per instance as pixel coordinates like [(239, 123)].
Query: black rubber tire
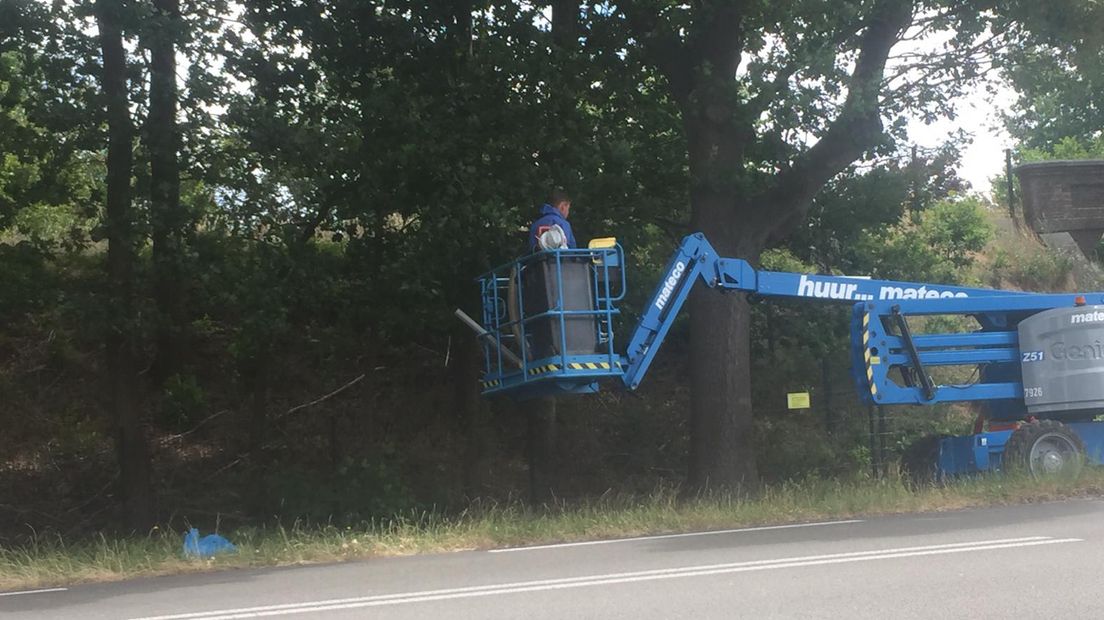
[(920, 461), (1058, 451)]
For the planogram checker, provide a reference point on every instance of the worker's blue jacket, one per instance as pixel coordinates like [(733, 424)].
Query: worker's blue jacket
[(549, 216)]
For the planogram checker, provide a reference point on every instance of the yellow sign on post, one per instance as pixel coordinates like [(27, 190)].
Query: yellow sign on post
[(797, 400)]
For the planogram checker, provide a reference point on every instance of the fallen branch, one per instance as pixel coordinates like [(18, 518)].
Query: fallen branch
[(323, 398), (271, 443), (170, 438)]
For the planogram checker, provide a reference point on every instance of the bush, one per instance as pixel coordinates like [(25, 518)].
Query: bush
[(1028, 266), (936, 246), (25, 279), (360, 490), (183, 402)]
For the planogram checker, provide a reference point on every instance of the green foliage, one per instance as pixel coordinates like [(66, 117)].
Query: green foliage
[(863, 204), (937, 248), (26, 279), (52, 226), (183, 402), (50, 171), (782, 259), (939, 243), (958, 230), (796, 446), (357, 491), (349, 166), (1068, 147), (792, 335), (1028, 266), (1055, 61)]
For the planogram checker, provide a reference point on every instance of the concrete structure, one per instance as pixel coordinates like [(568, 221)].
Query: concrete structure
[(1065, 196)]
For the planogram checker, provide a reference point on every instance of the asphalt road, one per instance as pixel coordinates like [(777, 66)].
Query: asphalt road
[(1044, 560)]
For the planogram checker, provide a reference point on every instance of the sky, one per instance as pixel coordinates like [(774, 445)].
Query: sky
[(978, 113)]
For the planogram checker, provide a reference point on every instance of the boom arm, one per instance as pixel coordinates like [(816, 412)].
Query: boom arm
[(696, 258), (565, 342)]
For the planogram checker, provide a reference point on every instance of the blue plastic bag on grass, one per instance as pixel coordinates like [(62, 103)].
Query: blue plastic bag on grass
[(209, 545)]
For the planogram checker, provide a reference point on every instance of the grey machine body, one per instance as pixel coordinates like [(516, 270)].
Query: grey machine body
[(1062, 358)]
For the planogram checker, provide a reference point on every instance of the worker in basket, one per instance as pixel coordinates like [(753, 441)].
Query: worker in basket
[(551, 230)]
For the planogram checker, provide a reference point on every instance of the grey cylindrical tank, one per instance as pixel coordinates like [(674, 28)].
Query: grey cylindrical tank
[(1062, 356)]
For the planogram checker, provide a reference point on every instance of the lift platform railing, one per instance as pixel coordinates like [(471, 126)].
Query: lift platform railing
[(553, 313)]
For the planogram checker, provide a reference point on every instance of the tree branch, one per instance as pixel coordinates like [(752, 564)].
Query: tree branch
[(857, 128), (663, 47), (721, 39), (331, 200), (759, 103), (321, 398)]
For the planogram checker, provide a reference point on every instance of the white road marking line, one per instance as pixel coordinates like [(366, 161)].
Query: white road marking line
[(42, 591), (609, 579), (685, 535)]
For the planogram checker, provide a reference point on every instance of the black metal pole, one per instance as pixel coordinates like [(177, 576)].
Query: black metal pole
[(873, 445), (881, 441)]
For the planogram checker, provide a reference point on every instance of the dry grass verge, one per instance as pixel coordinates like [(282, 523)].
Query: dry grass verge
[(52, 561)]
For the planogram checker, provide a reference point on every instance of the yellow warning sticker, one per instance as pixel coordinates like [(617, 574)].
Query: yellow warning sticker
[(797, 400)]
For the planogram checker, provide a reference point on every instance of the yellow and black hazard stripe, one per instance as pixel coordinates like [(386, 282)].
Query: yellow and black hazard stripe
[(592, 365), (547, 368), (870, 359), (540, 370)]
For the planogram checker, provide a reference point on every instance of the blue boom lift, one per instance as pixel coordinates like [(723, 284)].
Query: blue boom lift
[(547, 328)]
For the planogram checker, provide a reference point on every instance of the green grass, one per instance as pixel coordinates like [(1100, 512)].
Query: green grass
[(51, 561)]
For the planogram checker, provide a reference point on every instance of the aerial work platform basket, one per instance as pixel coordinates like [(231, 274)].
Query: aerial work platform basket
[(549, 320)]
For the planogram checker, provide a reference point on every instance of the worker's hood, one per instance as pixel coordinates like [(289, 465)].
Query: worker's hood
[(547, 209)]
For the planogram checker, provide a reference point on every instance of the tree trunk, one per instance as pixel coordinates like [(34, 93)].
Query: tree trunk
[(543, 453), (565, 23), (462, 34), (559, 148), (464, 369), (260, 388), (167, 222), (542, 449), (123, 382), (738, 216), (722, 455)]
